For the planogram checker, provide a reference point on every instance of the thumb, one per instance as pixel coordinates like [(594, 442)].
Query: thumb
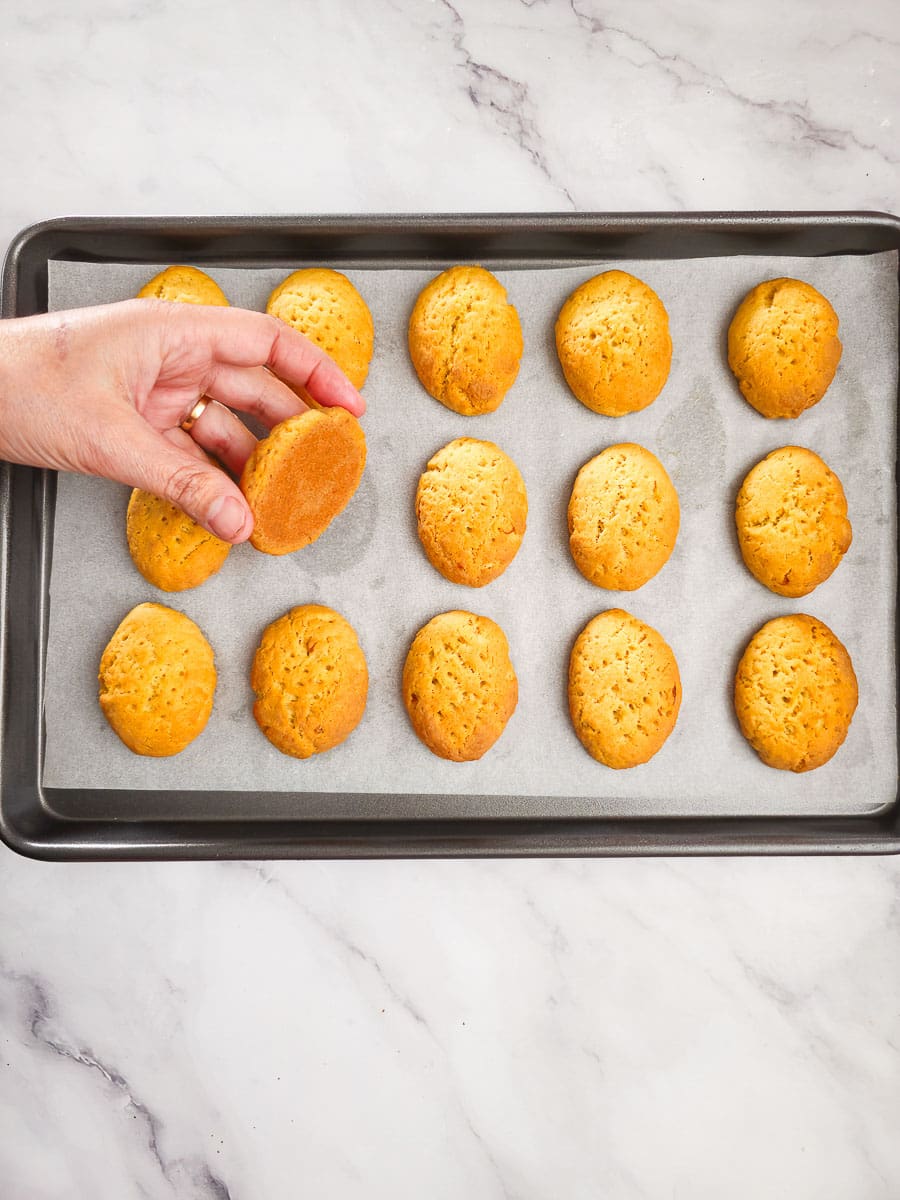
[(195, 485)]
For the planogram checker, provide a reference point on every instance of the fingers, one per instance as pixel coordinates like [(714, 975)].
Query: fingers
[(141, 457), (238, 338), (223, 436), (254, 390)]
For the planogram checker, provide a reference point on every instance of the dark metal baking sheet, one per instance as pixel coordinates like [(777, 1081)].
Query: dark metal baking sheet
[(30, 815)]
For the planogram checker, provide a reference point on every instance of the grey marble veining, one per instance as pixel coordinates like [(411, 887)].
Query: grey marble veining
[(683, 1029)]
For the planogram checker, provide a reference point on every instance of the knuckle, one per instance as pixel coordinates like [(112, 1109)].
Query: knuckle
[(187, 485)]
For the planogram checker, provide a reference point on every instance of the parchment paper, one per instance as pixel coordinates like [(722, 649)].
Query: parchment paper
[(370, 567)]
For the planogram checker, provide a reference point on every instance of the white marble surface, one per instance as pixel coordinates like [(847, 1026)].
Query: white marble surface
[(681, 1029)]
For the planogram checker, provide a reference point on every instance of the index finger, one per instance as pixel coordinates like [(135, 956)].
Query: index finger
[(241, 338)]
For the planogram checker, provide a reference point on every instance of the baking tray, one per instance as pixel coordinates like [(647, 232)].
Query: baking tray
[(30, 817)]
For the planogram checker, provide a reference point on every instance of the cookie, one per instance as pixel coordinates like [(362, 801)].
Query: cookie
[(157, 678), (471, 508), (184, 285), (612, 338), (170, 549), (310, 679), (791, 517), (325, 307), (624, 689), (623, 517), (465, 340), (783, 347), (459, 686), (795, 693), (301, 476)]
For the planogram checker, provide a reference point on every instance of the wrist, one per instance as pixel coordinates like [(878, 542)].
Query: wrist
[(22, 348)]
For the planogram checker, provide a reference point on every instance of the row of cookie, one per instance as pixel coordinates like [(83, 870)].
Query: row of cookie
[(472, 506), (795, 690), (612, 336)]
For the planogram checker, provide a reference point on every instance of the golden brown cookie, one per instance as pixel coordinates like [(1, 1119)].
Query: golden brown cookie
[(170, 549), (325, 306), (459, 686), (795, 693), (791, 517), (465, 340), (471, 506), (310, 679), (623, 517), (612, 338), (783, 347), (301, 476), (157, 678), (624, 689), (184, 285)]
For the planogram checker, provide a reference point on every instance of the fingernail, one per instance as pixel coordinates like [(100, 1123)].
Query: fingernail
[(227, 517)]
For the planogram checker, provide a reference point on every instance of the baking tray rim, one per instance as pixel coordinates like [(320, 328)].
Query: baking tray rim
[(54, 837)]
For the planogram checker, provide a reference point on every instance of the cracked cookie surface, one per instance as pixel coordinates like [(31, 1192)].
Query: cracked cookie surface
[(471, 509), (157, 678), (624, 689), (168, 547), (795, 693), (459, 685), (613, 343), (310, 679), (184, 285), (623, 517), (465, 340), (783, 347), (791, 518)]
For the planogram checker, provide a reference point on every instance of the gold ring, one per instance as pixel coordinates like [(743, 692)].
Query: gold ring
[(195, 414)]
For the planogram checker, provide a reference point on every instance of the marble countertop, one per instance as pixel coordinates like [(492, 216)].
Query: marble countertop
[(533, 1029)]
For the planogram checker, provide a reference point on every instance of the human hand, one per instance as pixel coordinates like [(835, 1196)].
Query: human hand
[(103, 391)]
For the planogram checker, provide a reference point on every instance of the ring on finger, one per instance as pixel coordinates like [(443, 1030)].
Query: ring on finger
[(195, 414)]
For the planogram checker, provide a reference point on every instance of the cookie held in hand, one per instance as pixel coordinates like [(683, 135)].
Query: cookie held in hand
[(301, 476)]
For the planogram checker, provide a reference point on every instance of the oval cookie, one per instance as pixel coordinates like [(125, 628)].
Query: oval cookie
[(325, 306), (310, 679), (623, 517), (465, 340), (157, 678), (624, 689), (791, 517), (184, 285), (783, 347), (301, 476), (471, 508), (459, 686), (170, 549), (795, 693), (612, 338)]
